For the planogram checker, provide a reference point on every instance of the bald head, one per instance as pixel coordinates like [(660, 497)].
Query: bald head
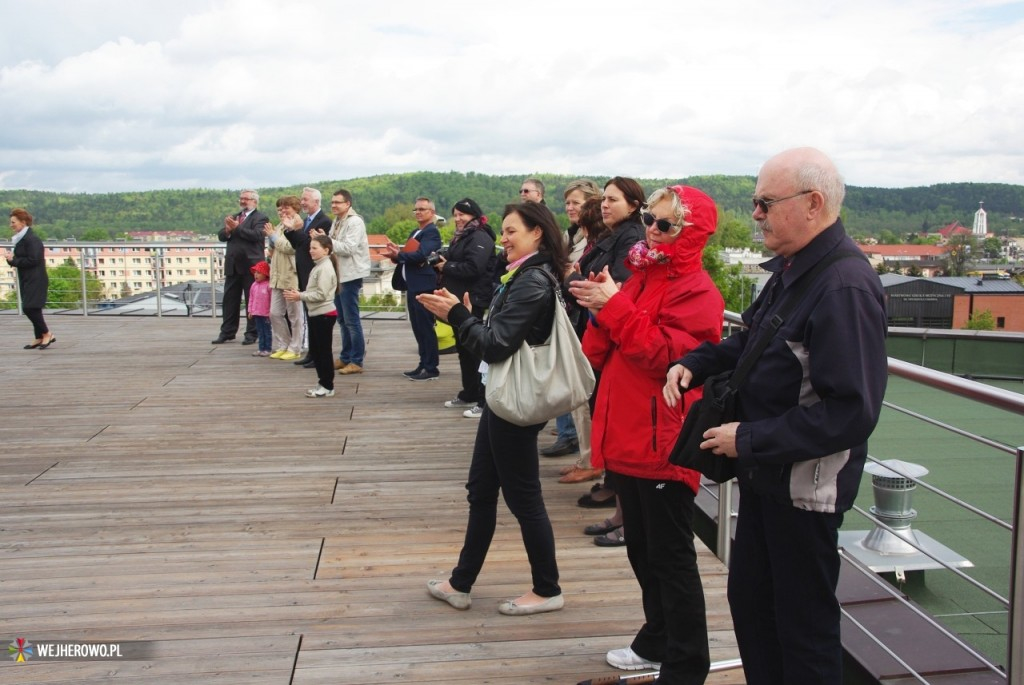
[(798, 195)]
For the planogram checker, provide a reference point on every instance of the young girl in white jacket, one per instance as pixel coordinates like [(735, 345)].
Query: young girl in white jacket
[(319, 300)]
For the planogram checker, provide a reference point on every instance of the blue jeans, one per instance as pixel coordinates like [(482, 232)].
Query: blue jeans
[(263, 333), (353, 345), (566, 428)]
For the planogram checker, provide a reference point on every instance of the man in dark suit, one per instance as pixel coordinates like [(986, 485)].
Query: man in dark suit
[(419, 277), (243, 233), (316, 221)]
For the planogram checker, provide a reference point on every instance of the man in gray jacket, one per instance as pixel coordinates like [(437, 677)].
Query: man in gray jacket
[(348, 233)]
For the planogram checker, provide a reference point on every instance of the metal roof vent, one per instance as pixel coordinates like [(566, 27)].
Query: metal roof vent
[(893, 495), (883, 551)]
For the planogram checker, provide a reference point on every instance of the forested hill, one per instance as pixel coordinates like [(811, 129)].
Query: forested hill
[(867, 210)]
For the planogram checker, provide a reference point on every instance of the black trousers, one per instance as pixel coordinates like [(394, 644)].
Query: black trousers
[(235, 287), (657, 521), (505, 459), (38, 323), (782, 593), (469, 367), (321, 328), (422, 323)]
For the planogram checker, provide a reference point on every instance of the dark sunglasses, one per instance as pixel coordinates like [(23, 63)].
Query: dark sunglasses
[(763, 204), (664, 225)]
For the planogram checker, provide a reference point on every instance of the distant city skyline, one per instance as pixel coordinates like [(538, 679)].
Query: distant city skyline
[(107, 97)]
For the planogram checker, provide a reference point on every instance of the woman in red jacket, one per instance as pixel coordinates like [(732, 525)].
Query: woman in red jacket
[(667, 308)]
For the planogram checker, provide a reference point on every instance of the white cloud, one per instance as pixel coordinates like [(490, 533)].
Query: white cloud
[(104, 97)]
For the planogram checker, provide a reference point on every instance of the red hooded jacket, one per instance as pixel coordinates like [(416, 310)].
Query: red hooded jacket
[(662, 312)]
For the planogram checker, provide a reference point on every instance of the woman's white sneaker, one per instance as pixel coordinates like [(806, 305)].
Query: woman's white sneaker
[(628, 660), (319, 391), (473, 412)]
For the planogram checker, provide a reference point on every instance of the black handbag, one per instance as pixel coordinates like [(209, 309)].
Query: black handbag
[(718, 403)]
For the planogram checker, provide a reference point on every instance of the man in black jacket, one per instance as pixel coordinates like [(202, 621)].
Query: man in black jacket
[(243, 233), (414, 274), (806, 410)]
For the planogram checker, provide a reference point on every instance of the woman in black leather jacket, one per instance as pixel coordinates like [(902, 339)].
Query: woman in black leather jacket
[(505, 455), (466, 266)]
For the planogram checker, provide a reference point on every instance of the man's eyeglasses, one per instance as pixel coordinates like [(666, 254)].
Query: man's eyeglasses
[(421, 209), (526, 191), (763, 204), (664, 225)]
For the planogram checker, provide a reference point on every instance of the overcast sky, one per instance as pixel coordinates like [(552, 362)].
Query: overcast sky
[(103, 96)]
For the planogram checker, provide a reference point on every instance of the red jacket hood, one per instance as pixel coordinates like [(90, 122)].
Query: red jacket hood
[(700, 222)]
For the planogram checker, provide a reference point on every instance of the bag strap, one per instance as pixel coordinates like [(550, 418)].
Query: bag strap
[(775, 323)]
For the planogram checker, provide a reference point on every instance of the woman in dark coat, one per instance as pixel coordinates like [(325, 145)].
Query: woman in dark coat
[(466, 266), (29, 259)]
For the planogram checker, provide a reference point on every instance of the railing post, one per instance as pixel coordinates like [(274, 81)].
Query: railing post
[(85, 289), (723, 541), (158, 259), (1014, 648)]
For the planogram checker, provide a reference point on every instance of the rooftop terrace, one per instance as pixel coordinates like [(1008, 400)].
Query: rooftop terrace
[(156, 487)]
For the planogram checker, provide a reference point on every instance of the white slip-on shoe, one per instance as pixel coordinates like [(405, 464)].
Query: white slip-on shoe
[(628, 660)]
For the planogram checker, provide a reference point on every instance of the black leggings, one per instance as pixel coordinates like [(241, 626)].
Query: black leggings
[(38, 324)]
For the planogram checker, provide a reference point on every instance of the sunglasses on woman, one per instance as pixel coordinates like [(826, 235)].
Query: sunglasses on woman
[(664, 225)]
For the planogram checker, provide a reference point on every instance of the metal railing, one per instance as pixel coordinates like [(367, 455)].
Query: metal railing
[(967, 390), (152, 278)]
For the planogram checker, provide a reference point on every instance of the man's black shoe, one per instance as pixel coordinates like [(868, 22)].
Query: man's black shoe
[(309, 365), (221, 339), (414, 372), (248, 341), (303, 361), (425, 375), (561, 448)]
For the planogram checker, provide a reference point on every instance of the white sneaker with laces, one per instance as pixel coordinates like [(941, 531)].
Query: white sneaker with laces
[(319, 391), (458, 404), (628, 660), (474, 412)]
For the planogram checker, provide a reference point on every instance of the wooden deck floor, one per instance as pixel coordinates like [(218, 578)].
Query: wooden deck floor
[(156, 487)]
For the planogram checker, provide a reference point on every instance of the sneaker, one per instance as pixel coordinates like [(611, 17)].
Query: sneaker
[(277, 354), (425, 375), (319, 391), (415, 372), (473, 413), (628, 660), (256, 353), (287, 356), (560, 448), (264, 353), (458, 404)]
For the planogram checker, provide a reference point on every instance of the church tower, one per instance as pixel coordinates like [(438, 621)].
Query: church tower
[(980, 221)]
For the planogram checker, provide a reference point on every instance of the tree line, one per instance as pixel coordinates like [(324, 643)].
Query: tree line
[(382, 201)]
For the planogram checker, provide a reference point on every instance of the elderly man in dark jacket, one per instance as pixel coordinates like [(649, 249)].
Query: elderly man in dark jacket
[(806, 411), (243, 233)]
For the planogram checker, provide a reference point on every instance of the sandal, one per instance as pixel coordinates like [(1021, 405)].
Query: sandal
[(605, 526), (615, 538)]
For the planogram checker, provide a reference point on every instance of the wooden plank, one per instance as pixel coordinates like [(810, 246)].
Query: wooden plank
[(156, 487)]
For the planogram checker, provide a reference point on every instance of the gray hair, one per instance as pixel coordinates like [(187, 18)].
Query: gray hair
[(827, 181), (313, 192), (536, 183), (584, 185), (255, 195), (679, 210)]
